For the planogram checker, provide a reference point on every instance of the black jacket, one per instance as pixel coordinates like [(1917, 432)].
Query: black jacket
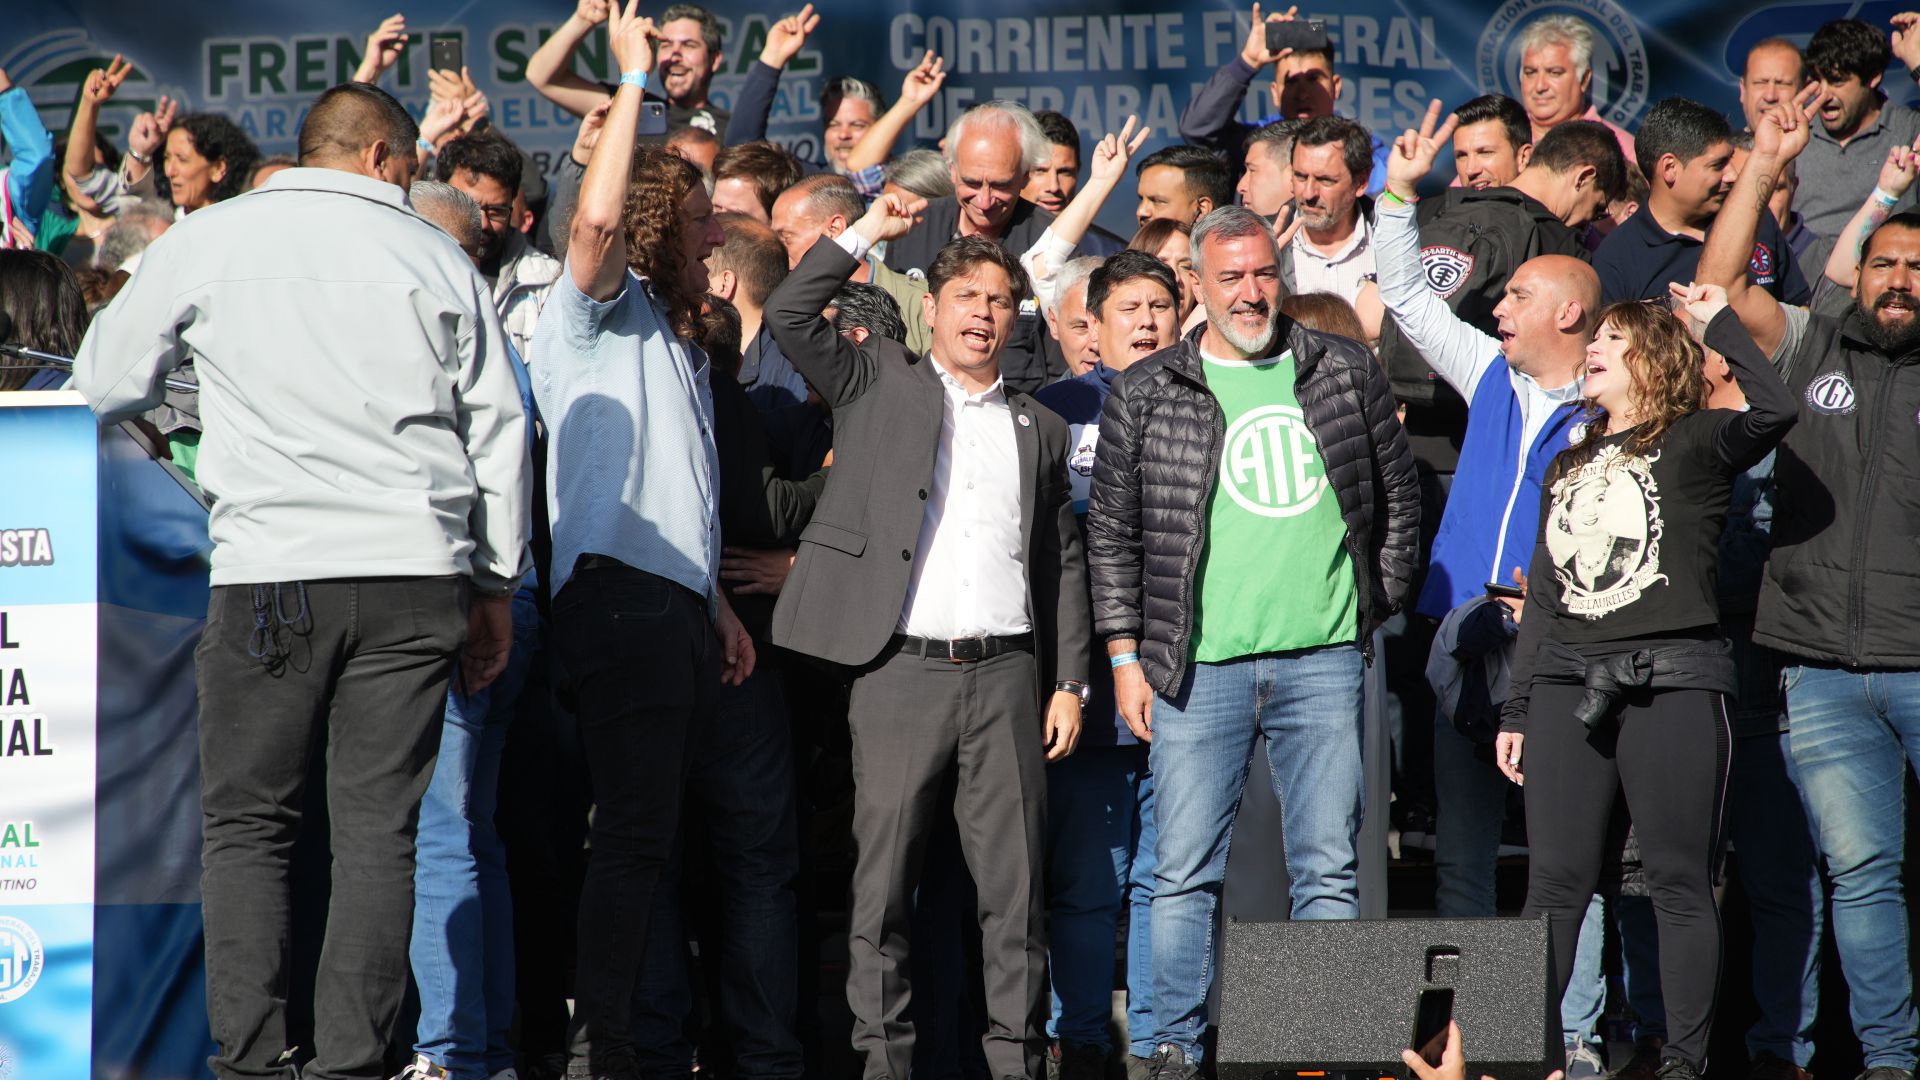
[(1841, 587), (1024, 362), (1160, 443)]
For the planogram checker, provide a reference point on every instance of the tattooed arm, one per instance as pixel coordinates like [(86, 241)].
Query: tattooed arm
[(1782, 134), (1896, 176)]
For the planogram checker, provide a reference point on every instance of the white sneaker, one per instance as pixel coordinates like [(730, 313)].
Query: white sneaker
[(422, 1068), (508, 1073)]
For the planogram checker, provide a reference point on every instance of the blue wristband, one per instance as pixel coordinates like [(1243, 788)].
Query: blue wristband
[(634, 78), (1123, 659)]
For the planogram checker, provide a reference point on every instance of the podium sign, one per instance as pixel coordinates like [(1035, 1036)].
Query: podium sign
[(49, 603)]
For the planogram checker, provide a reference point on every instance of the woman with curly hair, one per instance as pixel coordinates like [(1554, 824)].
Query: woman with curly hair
[(1621, 673), (209, 160), (639, 622)]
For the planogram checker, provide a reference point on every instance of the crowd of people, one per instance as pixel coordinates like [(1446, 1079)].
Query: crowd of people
[(636, 537)]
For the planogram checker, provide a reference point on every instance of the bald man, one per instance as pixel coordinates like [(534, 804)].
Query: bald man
[(1522, 388)]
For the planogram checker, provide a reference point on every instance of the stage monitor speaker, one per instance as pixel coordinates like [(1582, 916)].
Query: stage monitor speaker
[(1341, 996)]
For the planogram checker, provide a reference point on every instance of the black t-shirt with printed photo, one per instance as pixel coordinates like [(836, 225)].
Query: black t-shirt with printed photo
[(1628, 544)]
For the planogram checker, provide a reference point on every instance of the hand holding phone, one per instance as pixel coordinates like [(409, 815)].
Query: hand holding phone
[(1300, 35), (1432, 1018), (445, 52)]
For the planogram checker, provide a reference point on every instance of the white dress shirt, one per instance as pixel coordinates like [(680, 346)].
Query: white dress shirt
[(1341, 273), (968, 577)]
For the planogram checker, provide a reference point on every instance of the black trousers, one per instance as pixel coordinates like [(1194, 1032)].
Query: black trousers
[(359, 671), (1667, 753), (915, 721), (641, 656)]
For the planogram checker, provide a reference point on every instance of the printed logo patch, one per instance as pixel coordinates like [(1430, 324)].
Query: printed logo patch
[(1760, 265), (1446, 268), (1271, 465), (1831, 393)]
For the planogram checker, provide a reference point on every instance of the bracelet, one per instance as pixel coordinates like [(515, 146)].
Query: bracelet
[(144, 159), (423, 145), (1883, 198), (1123, 659), (1385, 194), (634, 78)]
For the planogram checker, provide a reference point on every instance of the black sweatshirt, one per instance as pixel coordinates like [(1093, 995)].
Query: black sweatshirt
[(1628, 545)]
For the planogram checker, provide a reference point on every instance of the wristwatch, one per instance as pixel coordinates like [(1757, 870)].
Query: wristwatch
[(1077, 689)]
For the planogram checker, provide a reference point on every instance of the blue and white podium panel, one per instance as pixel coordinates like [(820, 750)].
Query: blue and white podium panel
[(103, 585)]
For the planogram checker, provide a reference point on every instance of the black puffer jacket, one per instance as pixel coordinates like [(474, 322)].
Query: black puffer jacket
[(1160, 443)]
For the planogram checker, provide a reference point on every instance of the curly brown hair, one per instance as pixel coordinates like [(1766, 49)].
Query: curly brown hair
[(1667, 372), (653, 220)]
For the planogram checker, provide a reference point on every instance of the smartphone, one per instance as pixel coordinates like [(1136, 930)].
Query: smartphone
[(653, 118), (1300, 35), (1430, 1021), (445, 53), (1496, 591)]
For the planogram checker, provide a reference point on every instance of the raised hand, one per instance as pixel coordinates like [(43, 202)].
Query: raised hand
[(591, 125), (592, 12), (150, 128), (1906, 38), (1800, 118), (1414, 151), (631, 36), (473, 103), (1283, 232), (102, 82), (786, 37), (1255, 51), (443, 116), (889, 218), (923, 82), (1898, 171), (1703, 301), (384, 48), (1111, 154)]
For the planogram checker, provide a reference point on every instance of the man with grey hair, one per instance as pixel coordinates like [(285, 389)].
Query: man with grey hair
[(990, 150), (1284, 493), (450, 210), (1556, 76), (1067, 315), (140, 224)]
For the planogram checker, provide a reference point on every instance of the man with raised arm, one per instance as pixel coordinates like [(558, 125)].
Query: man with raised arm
[(1839, 592)]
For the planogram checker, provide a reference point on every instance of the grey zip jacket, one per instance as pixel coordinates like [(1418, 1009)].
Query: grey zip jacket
[(360, 416)]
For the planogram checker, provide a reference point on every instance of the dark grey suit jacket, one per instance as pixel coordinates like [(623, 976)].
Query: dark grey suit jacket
[(843, 599)]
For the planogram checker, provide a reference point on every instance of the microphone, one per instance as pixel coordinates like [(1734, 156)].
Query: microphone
[(37, 360)]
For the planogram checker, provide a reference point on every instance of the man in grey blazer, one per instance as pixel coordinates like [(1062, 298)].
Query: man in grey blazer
[(944, 565)]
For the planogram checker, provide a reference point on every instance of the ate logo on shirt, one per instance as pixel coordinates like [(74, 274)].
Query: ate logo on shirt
[(1271, 464), (1760, 264)]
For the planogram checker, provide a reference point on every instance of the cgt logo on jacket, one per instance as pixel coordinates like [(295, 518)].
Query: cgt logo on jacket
[(1271, 465)]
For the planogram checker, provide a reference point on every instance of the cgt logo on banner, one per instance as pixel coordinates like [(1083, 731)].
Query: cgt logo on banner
[(21, 958), (1620, 72)]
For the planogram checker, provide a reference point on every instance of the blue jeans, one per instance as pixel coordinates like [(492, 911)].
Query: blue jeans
[(462, 945), (1098, 834), (1854, 735), (1586, 997), (1308, 705), (1773, 851)]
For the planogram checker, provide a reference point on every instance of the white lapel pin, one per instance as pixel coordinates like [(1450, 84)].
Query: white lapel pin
[(1025, 420)]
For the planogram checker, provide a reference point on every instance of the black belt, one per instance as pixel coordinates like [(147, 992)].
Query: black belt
[(963, 650)]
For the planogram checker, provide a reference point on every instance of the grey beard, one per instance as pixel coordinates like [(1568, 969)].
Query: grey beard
[(1255, 343)]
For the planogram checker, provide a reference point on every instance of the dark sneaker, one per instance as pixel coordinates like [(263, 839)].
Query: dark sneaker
[(1886, 1072), (1583, 1062), (1079, 1061), (1766, 1066), (1645, 1062), (1676, 1069), (1170, 1063)]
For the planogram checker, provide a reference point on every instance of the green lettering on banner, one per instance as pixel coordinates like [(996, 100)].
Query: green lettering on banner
[(346, 59), (223, 63), (265, 61), (592, 55), (310, 65), (510, 52)]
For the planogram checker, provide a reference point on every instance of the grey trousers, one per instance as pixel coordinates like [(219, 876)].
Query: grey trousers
[(913, 720)]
